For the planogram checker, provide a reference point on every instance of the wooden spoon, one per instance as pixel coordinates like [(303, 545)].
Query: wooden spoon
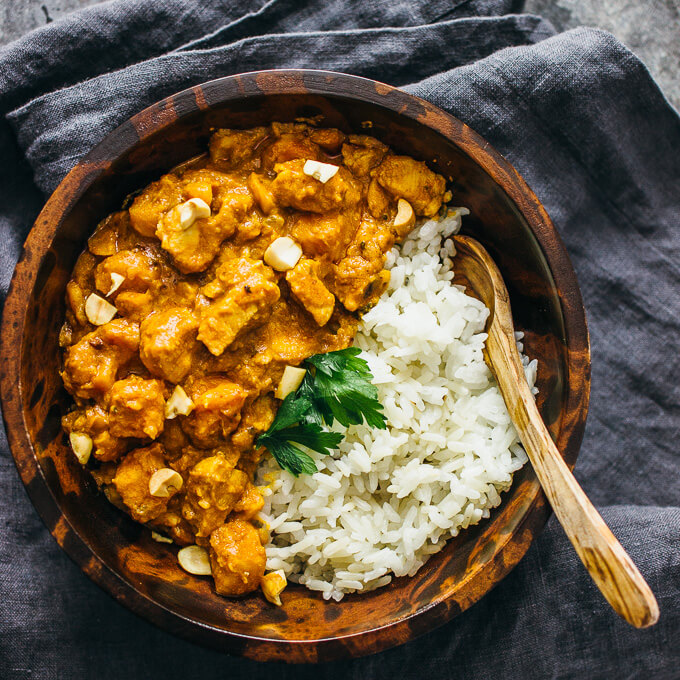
[(609, 565)]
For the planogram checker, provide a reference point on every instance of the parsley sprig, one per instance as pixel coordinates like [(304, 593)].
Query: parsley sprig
[(337, 386)]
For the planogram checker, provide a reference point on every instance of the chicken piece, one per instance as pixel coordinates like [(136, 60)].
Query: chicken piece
[(217, 410), (224, 319), (237, 558), (168, 343), (359, 282), (138, 270), (404, 177), (329, 139), (232, 148), (132, 483), (92, 364), (292, 188), (193, 248), (378, 201), (372, 241), (288, 147), (326, 234), (256, 417), (105, 240), (248, 290), (135, 306), (250, 503), (310, 291), (213, 488), (159, 197), (362, 154), (94, 421), (136, 408)]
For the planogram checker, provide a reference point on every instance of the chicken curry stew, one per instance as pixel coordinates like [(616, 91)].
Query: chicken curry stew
[(192, 309)]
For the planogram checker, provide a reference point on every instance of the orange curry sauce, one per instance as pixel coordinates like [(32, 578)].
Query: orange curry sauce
[(196, 305)]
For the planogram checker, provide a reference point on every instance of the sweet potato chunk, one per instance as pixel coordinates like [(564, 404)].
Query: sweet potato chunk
[(156, 199), (106, 239), (213, 488), (362, 154), (135, 306), (292, 188), (250, 503), (330, 139), (136, 408), (359, 282), (168, 342), (404, 177), (310, 290), (217, 410), (378, 201), (237, 558), (132, 482)]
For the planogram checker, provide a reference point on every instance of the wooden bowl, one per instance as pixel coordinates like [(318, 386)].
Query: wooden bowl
[(117, 553)]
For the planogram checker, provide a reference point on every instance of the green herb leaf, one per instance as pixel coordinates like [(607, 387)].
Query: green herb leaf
[(341, 389), (337, 386), (290, 457)]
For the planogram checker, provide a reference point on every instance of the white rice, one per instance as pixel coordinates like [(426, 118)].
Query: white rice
[(388, 499)]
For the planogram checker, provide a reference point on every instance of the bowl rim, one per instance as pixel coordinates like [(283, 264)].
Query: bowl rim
[(163, 114)]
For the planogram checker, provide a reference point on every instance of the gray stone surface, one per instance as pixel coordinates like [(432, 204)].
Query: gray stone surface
[(650, 28)]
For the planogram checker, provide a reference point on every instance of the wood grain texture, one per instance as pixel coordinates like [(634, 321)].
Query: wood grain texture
[(119, 554), (610, 567)]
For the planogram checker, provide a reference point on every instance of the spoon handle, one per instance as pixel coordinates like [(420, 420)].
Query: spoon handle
[(608, 564)]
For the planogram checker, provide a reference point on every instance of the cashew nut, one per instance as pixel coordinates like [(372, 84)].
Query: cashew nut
[(116, 280), (195, 560), (159, 538), (405, 215), (179, 404), (98, 311), (81, 445), (165, 482), (292, 379), (272, 586), (192, 210), (282, 254), (321, 171)]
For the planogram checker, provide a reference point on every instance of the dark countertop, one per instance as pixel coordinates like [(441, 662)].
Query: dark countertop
[(650, 28)]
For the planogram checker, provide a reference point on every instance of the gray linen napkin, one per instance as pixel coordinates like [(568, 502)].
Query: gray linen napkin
[(585, 124)]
